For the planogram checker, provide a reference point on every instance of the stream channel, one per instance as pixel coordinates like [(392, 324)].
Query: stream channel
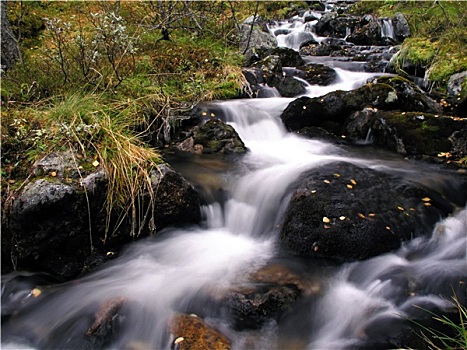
[(349, 305)]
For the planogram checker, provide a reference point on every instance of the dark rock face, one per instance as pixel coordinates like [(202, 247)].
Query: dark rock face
[(49, 227), (288, 86), (318, 74), (331, 110), (410, 133), (214, 136), (346, 212), (401, 27), (249, 309), (274, 289), (287, 57), (368, 34)]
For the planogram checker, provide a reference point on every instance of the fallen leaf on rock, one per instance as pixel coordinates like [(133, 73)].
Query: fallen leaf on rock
[(426, 199), (427, 204), (349, 187), (326, 181), (400, 208), (372, 215), (36, 292), (326, 220), (342, 218), (353, 182), (360, 215)]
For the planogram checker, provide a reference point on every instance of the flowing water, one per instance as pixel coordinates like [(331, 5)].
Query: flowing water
[(356, 303)]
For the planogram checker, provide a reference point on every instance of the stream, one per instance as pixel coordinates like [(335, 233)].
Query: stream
[(349, 305)]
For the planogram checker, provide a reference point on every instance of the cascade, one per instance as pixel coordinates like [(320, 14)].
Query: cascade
[(186, 269)]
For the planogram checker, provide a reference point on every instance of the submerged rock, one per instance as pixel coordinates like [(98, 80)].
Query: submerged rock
[(192, 333), (345, 212)]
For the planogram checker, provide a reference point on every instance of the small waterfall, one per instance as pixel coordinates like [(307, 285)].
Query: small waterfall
[(387, 29)]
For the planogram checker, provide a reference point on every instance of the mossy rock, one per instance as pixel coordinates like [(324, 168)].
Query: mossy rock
[(408, 133), (215, 136), (388, 93)]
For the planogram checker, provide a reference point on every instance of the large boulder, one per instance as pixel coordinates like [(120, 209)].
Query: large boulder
[(58, 226), (401, 27), (251, 39), (346, 212), (409, 133), (457, 93), (332, 110), (367, 34), (213, 136)]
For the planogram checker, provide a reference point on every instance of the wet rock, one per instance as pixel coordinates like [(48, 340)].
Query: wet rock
[(191, 333), (252, 40), (401, 27), (346, 212), (214, 136), (322, 27), (411, 133), (250, 308), (339, 26), (287, 57), (176, 201), (318, 74), (368, 34), (59, 227), (457, 93), (410, 96), (332, 110), (271, 65), (287, 86)]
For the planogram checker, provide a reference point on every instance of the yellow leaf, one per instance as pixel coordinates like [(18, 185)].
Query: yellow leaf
[(36, 292), (426, 199), (326, 181), (400, 208), (53, 173), (349, 187), (95, 163), (353, 182), (388, 228), (360, 215), (326, 220), (337, 175), (372, 215), (427, 204), (342, 218)]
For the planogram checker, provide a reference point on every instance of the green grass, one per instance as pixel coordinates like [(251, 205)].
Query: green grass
[(439, 35), (455, 338)]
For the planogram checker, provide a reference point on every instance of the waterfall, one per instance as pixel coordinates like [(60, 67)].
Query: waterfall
[(387, 29)]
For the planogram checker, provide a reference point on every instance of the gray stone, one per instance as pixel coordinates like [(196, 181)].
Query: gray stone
[(455, 83)]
